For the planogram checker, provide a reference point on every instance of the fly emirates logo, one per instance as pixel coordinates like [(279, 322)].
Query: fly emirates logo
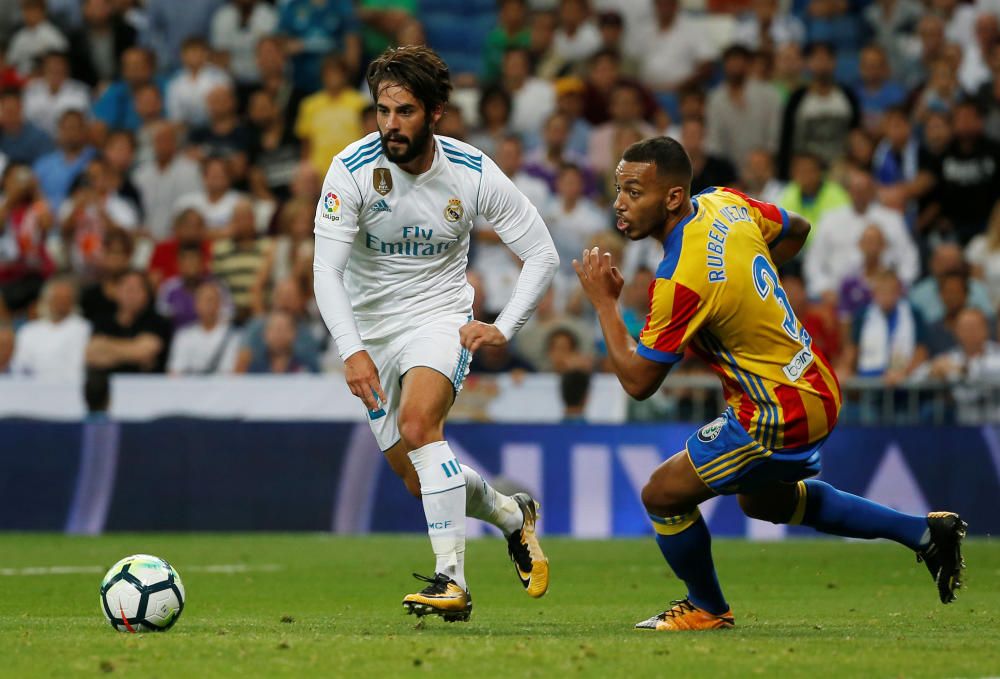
[(414, 241)]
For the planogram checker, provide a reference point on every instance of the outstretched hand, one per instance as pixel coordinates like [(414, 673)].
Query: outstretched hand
[(475, 334), (602, 282)]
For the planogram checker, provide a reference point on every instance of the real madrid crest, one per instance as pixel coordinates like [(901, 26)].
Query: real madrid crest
[(454, 211), (382, 180)]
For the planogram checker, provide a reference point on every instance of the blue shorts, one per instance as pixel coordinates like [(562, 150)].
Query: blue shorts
[(729, 461)]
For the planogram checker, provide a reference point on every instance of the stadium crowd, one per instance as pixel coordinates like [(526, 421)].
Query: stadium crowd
[(162, 160)]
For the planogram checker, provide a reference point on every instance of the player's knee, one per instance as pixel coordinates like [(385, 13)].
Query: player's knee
[(758, 508), (659, 501), (418, 429)]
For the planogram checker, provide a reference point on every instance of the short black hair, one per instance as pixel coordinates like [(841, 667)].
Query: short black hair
[(573, 387), (667, 154), (415, 68), (562, 331), (737, 50), (822, 46)]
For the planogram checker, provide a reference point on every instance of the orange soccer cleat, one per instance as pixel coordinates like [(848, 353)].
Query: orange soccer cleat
[(683, 616)]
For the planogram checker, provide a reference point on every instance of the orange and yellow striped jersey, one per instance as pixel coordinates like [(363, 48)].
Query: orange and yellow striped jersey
[(717, 291)]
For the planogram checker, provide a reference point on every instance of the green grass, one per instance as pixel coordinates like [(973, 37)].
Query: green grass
[(803, 608)]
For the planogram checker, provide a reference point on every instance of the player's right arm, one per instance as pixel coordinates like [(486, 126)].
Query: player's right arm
[(336, 226)]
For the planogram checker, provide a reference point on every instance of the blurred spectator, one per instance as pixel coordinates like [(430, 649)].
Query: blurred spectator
[(542, 53), (787, 76), (96, 47), (877, 91), (888, 336), (314, 29), (494, 118), (626, 107), (635, 300), (940, 92), (119, 152), (386, 23), (546, 161), (237, 258), (511, 31), (967, 176), (216, 199), (831, 22), (288, 298), (742, 114), (170, 23), (188, 231), (36, 37), (926, 294), (576, 37), (47, 97), (895, 162), (570, 102), (274, 150), (572, 218), (974, 71), (7, 348), (175, 299), (954, 298), (709, 170), (236, 28), (20, 140), (833, 255), (92, 210), (225, 134), (531, 341), (810, 193), (52, 347), (58, 169), (892, 24), (452, 123), (819, 115), (189, 87), (149, 109), (272, 63), (278, 355), (493, 360), (971, 365), (671, 50), (562, 350), (983, 254), (116, 106), (959, 20), (921, 55), (612, 28), (164, 179), (209, 345), (757, 177), (132, 339), (988, 95), (533, 99), (25, 220), (856, 288), (331, 119), (574, 388), (97, 300), (289, 255), (766, 27)]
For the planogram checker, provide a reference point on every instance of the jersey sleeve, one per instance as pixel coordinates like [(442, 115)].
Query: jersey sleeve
[(676, 312), (503, 205), (772, 220), (339, 205)]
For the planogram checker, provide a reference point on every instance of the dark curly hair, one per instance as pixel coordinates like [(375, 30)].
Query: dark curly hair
[(414, 67)]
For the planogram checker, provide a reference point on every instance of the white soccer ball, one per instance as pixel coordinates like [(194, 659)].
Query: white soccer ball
[(142, 593)]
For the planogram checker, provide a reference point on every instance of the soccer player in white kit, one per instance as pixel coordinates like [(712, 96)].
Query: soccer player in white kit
[(392, 242)]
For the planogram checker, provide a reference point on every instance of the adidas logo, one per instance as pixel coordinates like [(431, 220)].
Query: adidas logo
[(381, 206)]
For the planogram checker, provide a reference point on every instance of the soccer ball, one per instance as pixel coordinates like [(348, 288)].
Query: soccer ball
[(142, 593)]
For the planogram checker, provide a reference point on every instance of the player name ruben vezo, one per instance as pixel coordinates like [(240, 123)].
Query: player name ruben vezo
[(409, 247)]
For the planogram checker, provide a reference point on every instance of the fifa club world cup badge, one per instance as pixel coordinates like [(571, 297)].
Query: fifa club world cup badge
[(382, 180), (454, 211), (331, 206)]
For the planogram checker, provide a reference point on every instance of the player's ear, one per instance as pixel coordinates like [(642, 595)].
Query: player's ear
[(436, 114), (675, 198)]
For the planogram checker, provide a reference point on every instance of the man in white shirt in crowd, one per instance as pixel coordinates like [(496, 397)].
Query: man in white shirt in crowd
[(47, 97), (208, 346), (216, 201), (188, 89), (163, 179), (833, 253), (392, 240), (52, 348), (672, 50), (532, 99)]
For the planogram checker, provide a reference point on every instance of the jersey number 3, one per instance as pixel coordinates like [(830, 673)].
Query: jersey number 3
[(765, 279)]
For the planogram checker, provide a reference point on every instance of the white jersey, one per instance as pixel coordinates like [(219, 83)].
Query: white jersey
[(409, 234)]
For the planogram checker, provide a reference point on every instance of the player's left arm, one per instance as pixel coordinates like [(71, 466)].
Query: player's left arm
[(794, 236), (517, 223), (602, 282), (784, 232)]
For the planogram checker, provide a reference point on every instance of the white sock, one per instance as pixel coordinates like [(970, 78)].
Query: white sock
[(442, 490), (484, 502)]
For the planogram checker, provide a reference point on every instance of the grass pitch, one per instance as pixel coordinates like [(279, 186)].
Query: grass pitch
[(323, 606)]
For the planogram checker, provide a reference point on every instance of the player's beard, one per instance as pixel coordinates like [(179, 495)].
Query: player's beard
[(414, 146)]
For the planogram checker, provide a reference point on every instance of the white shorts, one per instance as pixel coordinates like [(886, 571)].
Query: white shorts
[(434, 345)]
